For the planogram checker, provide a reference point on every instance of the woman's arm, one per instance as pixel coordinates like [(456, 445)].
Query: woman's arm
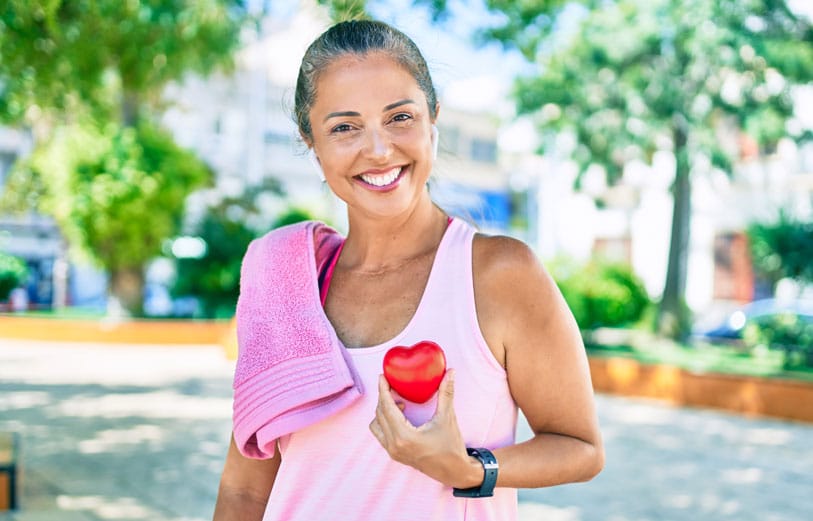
[(245, 486), (530, 329)]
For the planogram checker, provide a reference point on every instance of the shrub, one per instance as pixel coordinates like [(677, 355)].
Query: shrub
[(786, 332), (214, 279), (782, 249), (12, 273), (602, 293)]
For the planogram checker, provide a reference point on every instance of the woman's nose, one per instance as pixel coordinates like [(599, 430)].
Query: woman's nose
[(378, 143)]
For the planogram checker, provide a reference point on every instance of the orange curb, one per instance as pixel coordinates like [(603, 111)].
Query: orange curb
[(747, 395), (135, 331)]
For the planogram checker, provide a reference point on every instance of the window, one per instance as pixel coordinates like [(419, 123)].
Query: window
[(6, 162), (275, 137), (449, 140), (483, 150)]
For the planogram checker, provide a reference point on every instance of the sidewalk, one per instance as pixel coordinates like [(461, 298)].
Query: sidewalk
[(115, 432)]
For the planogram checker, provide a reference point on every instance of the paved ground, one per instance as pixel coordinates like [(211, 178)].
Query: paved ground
[(139, 433)]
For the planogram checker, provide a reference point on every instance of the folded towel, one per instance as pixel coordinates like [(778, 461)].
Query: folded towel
[(292, 370)]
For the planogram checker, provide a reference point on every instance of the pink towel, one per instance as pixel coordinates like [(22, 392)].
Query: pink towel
[(292, 370)]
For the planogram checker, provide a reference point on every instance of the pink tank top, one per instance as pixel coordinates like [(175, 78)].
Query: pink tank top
[(337, 470)]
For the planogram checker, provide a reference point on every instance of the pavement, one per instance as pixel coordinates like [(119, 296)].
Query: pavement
[(123, 432)]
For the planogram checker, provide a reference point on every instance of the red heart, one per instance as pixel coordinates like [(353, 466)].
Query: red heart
[(415, 372)]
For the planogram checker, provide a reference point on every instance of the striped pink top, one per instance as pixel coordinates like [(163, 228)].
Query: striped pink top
[(336, 469)]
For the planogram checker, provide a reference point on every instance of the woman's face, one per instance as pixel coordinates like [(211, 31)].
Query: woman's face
[(372, 135)]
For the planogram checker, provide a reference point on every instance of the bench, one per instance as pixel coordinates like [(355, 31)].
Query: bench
[(8, 470)]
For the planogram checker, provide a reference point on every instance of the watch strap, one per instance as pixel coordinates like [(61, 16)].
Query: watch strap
[(490, 470)]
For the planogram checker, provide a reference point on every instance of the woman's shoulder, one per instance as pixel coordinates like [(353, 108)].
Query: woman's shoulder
[(499, 254), (508, 273)]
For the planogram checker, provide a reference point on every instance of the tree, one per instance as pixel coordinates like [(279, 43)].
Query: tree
[(127, 189), (638, 76), (87, 77), (109, 58)]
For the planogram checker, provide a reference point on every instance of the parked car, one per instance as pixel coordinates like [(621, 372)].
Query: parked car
[(731, 329)]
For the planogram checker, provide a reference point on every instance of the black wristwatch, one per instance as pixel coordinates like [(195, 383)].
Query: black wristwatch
[(490, 468)]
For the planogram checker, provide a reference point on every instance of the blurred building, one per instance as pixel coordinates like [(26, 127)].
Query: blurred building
[(631, 220), (32, 237)]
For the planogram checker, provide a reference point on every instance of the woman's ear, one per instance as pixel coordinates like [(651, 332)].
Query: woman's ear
[(435, 140), (306, 139), (315, 162)]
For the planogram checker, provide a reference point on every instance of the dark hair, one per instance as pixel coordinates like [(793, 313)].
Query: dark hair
[(357, 37)]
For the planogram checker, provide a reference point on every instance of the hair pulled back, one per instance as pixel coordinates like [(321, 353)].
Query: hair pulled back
[(357, 37)]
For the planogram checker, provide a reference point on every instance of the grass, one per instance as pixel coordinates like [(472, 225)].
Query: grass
[(698, 357), (66, 313)]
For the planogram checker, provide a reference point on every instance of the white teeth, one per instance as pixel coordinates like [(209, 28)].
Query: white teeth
[(381, 179)]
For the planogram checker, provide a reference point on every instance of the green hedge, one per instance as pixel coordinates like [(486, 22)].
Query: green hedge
[(602, 293), (787, 333), (13, 272)]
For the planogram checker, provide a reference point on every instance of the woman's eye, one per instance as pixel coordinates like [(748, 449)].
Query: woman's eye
[(402, 117), (341, 128)]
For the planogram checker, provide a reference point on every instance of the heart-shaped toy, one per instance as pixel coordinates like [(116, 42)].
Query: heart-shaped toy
[(415, 372)]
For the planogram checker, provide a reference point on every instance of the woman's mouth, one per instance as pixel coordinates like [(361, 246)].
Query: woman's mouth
[(382, 180)]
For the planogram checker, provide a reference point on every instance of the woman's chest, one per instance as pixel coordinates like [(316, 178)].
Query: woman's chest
[(369, 309)]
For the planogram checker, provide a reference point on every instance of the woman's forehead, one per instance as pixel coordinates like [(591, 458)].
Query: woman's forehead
[(363, 79)]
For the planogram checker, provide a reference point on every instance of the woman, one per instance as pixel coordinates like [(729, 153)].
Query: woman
[(407, 272)]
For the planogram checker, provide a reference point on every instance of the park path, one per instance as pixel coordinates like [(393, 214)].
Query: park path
[(117, 432)]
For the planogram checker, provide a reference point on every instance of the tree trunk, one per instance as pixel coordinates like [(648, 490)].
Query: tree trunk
[(673, 319), (130, 108), (127, 292)]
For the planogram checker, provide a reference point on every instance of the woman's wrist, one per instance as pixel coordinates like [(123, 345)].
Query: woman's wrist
[(473, 475)]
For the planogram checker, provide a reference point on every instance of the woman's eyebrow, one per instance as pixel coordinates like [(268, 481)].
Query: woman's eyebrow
[(353, 114), (342, 115), (397, 104)]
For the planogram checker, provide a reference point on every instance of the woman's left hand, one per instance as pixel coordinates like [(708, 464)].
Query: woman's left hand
[(435, 448)]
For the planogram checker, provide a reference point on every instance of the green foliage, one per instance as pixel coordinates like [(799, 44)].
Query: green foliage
[(83, 75), (602, 294), (129, 199), (13, 273), (633, 70), (214, 279), (357, 9), (527, 25), (291, 216), (116, 194), (787, 333), (91, 56), (782, 249), (341, 10)]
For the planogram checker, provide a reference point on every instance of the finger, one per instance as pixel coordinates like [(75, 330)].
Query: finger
[(446, 394), (385, 421), (387, 407), (384, 425), (378, 432)]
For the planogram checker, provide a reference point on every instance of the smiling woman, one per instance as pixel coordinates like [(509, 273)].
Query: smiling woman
[(319, 432)]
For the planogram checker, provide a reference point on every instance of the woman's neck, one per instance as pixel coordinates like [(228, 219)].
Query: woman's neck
[(380, 245)]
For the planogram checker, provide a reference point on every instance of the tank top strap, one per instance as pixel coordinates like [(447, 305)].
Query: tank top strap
[(451, 281)]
